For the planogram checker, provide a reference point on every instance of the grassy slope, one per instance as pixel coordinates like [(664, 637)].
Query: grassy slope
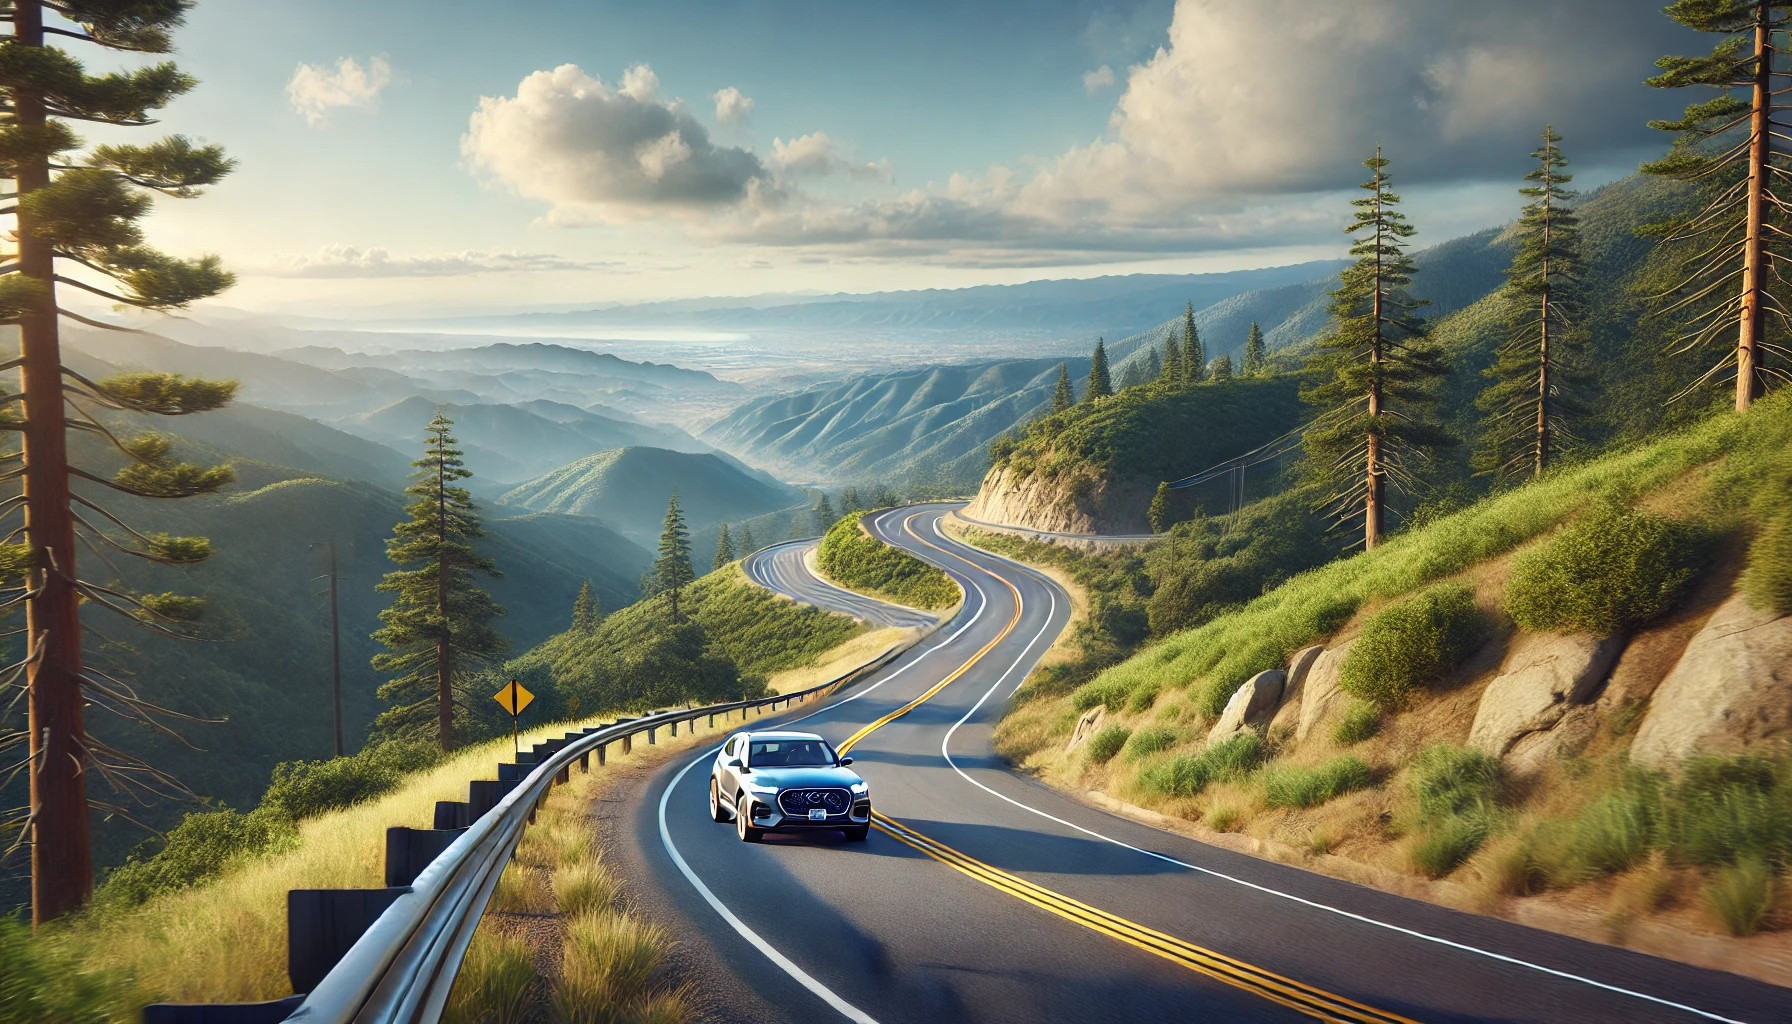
[(853, 558), (1168, 691)]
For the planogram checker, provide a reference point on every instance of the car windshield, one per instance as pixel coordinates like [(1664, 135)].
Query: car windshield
[(789, 754)]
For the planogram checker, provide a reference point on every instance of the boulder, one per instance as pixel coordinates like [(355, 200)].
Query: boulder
[(1320, 689), (1730, 691), (1251, 706), (1086, 726), (1535, 751), (1298, 667), (1543, 676)]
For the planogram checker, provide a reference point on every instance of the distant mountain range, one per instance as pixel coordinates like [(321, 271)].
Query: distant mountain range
[(628, 487)]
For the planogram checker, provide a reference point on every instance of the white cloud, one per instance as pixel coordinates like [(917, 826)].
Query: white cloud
[(597, 153), (315, 90), (1097, 80), (815, 155), (733, 107), (346, 261)]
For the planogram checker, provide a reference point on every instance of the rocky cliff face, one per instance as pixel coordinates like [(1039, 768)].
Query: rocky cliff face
[(1082, 499)]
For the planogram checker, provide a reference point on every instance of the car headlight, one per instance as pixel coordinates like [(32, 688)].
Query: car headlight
[(861, 787), (762, 790)]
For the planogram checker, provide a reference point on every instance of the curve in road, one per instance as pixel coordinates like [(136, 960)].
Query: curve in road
[(1077, 914), (784, 569)]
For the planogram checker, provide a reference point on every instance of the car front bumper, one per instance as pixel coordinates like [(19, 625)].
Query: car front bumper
[(765, 814)]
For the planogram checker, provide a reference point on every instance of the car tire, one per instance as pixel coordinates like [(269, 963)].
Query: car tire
[(742, 816), (718, 811), (858, 833)]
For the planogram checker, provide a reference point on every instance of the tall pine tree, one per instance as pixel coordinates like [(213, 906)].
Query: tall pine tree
[(1194, 354), (586, 611), (1158, 512), (747, 546), (1154, 365), (439, 630), (1062, 397), (1530, 399), (1171, 370), (724, 549), (1733, 150), (1375, 370), (1222, 367), (671, 571), (75, 206), (1101, 385), (1255, 354), (824, 513)]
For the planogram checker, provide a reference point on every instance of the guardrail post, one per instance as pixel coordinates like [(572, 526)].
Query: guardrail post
[(452, 814), (410, 850), (650, 740), (601, 749), (712, 719), (675, 727), (564, 774), (484, 794), (628, 743), (221, 1013), (322, 924)]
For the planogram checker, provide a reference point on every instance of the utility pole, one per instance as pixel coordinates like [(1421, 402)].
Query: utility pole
[(335, 646)]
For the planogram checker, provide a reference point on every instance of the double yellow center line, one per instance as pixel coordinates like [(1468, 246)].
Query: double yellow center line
[(1295, 995)]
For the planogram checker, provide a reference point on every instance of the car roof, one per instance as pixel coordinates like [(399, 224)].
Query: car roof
[(775, 735)]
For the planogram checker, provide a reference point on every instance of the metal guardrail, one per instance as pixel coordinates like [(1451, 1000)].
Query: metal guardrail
[(401, 967), (404, 965)]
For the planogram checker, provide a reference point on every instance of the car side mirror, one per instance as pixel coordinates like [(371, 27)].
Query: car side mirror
[(845, 761), (733, 762)]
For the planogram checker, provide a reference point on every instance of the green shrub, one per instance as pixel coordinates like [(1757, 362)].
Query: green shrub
[(1611, 568), (1189, 774), (1360, 721), (493, 984), (302, 789), (1450, 781), (1612, 834), (1741, 894), (1310, 786), (1411, 644), (1109, 694), (40, 983), (1447, 842), (1146, 742), (1106, 743), (1724, 809), (852, 557), (201, 847)]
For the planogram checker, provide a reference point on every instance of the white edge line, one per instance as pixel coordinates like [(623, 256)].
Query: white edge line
[(1051, 588)]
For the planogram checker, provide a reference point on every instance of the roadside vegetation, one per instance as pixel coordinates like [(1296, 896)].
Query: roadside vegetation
[(1387, 777), (853, 558)]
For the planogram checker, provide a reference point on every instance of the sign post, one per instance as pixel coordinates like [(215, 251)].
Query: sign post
[(514, 697)]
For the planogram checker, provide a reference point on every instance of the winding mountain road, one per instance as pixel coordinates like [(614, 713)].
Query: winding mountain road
[(783, 568), (983, 895)]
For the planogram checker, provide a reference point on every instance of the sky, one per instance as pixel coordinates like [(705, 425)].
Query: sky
[(409, 156)]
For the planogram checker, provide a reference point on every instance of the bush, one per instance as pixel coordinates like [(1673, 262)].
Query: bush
[(1410, 644), (1106, 743), (1451, 781), (1189, 774), (1741, 895), (493, 984), (1725, 809), (1613, 567), (607, 968), (1448, 842), (40, 983), (201, 847), (1310, 786), (1612, 834), (302, 789), (1146, 742), (1360, 721), (1767, 578)]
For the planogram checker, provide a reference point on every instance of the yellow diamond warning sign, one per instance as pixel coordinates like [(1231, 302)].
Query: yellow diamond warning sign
[(514, 697)]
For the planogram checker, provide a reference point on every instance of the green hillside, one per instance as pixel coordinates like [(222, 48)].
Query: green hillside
[(628, 487), (736, 636)]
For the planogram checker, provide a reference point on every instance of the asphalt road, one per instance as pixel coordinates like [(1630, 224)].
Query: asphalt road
[(985, 896), (780, 567)]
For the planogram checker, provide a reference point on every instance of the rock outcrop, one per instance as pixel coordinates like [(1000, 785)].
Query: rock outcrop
[(1251, 706), (1080, 500), (1086, 726), (1730, 691), (1319, 691), (1544, 675)]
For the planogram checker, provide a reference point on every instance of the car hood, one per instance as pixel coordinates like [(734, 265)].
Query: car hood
[(787, 777)]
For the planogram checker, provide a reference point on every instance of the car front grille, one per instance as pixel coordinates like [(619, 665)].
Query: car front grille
[(801, 801)]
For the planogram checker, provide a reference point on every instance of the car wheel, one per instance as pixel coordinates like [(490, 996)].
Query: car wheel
[(858, 833), (718, 811), (742, 816)]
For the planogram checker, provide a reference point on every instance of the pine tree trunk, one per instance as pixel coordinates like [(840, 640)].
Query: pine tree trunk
[(1748, 343), (1372, 494), (1541, 456), (444, 691), (61, 859)]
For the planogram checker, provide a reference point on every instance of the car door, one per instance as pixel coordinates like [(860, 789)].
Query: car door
[(727, 779)]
